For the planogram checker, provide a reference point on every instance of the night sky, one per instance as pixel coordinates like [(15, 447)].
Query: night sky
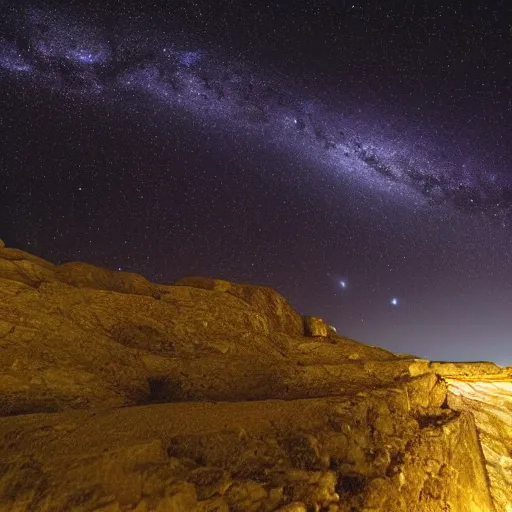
[(356, 156)]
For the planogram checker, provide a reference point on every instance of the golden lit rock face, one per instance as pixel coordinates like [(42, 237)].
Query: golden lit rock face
[(365, 451), (489, 400), (316, 327), (281, 317), (241, 405)]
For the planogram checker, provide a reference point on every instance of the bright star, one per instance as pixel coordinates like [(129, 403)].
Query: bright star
[(343, 284), (394, 301)]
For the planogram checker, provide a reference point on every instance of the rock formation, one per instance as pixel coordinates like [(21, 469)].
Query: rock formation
[(118, 394)]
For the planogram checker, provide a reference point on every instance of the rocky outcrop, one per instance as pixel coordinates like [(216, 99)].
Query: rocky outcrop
[(118, 394), (79, 336)]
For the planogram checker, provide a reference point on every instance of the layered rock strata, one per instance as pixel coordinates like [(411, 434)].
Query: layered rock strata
[(488, 397)]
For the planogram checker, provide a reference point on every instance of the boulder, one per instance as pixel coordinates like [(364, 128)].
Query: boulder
[(315, 327)]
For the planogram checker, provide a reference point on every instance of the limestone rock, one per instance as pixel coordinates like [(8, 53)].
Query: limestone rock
[(175, 455), (338, 348), (265, 301), (315, 327), (2, 244), (476, 369), (23, 267)]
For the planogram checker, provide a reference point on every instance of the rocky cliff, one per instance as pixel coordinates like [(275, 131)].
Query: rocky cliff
[(118, 394)]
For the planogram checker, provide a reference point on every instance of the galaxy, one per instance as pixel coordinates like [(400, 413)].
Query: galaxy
[(355, 156)]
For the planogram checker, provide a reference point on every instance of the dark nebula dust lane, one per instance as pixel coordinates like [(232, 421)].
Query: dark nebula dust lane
[(63, 52), (356, 156)]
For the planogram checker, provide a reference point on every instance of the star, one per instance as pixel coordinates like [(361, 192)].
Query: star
[(394, 301), (343, 284)]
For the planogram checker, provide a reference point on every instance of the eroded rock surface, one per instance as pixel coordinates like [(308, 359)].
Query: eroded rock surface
[(363, 452), (118, 394), (79, 336)]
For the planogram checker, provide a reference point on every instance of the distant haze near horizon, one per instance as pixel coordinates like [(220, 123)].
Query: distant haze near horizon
[(354, 156)]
